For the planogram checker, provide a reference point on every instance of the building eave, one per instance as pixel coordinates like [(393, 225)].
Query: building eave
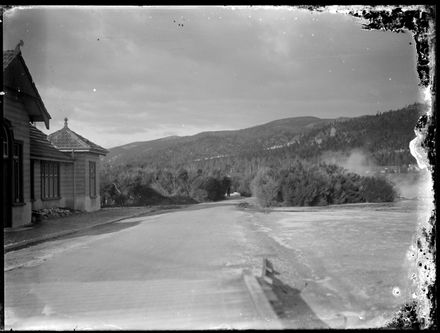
[(28, 92), (76, 150), (41, 158), (44, 113)]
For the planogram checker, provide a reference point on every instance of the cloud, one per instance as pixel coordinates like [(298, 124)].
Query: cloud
[(114, 134), (144, 70)]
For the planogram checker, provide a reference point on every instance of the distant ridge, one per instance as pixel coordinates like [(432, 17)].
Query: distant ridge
[(214, 143), (384, 136)]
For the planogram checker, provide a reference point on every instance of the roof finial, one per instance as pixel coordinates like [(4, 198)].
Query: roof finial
[(17, 48), (65, 122)]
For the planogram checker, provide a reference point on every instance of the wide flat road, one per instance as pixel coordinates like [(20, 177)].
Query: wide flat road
[(178, 270)]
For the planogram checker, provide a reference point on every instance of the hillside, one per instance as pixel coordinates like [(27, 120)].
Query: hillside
[(177, 149), (383, 137), (281, 158)]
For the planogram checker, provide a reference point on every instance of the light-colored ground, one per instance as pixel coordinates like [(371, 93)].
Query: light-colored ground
[(349, 263), (337, 267), (178, 270)]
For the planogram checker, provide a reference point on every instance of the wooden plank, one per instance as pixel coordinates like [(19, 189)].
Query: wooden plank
[(267, 271), (261, 303)]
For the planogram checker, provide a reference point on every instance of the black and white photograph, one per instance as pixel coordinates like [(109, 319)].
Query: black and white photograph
[(218, 167)]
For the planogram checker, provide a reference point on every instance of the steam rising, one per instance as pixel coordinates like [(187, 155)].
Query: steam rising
[(354, 161), (407, 185)]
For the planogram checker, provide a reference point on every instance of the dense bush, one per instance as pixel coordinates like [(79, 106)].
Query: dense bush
[(377, 189), (145, 186), (242, 184), (214, 189), (288, 183), (266, 186), (306, 184), (144, 195)]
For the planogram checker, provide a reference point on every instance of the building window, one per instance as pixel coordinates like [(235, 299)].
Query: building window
[(32, 180), (92, 179), (5, 143), (50, 180), (17, 169)]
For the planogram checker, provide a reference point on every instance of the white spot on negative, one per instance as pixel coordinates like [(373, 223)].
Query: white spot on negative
[(47, 310)]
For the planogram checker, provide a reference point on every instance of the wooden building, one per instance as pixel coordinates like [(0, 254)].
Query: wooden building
[(51, 170), (85, 175), (35, 173)]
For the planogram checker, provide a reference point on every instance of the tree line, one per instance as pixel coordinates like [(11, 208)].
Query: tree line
[(290, 175), (273, 181)]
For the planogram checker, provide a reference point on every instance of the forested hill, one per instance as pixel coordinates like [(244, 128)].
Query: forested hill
[(279, 162), (204, 145), (384, 137)]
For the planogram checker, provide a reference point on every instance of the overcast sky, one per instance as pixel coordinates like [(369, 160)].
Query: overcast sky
[(130, 74)]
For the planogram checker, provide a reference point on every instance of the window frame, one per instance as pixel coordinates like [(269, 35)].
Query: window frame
[(5, 143), (50, 180), (92, 179), (17, 173), (32, 180)]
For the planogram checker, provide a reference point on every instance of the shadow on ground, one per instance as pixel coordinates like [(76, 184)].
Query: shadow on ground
[(290, 307)]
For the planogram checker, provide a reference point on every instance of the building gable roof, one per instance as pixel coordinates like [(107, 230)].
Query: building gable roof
[(67, 140), (17, 78), (42, 149)]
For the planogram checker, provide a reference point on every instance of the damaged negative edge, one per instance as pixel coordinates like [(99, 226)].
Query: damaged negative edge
[(419, 20), (422, 24)]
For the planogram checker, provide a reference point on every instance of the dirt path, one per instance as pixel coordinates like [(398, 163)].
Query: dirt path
[(177, 270)]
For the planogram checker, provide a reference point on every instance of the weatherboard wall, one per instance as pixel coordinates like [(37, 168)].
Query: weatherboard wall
[(83, 201), (65, 198), (15, 112)]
